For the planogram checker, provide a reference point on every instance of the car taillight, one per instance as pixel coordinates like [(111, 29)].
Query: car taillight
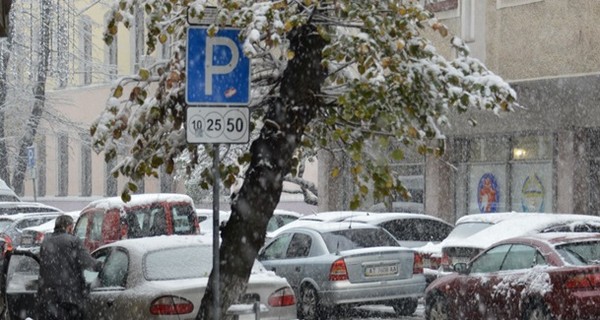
[(338, 271), (282, 298), (171, 305), (417, 264), (7, 243), (583, 281), (39, 237), (446, 261)]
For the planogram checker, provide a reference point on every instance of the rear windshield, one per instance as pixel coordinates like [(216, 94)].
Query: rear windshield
[(24, 209), (464, 230), (9, 198), (580, 253), (152, 221), (358, 238), (178, 263)]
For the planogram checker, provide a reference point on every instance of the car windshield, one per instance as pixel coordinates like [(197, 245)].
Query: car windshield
[(4, 224), (358, 238), (580, 253), (464, 230)]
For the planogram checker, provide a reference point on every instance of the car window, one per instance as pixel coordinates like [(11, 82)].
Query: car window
[(183, 219), (425, 230), (464, 230), (520, 257), (299, 246), (580, 253), (491, 260), (22, 275), (274, 223), (81, 226), (5, 223), (277, 248), (96, 230), (285, 219), (152, 221), (348, 239), (114, 271), (178, 263)]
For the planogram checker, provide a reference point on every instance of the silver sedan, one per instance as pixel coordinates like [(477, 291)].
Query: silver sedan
[(153, 278), (335, 266)]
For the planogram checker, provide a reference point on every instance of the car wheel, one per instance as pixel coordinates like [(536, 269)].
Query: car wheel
[(406, 307), (308, 304), (538, 311), (436, 308)]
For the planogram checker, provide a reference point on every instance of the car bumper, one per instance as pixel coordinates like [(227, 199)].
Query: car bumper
[(583, 306), (344, 292)]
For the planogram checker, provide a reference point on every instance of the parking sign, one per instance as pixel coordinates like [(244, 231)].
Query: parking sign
[(218, 73)]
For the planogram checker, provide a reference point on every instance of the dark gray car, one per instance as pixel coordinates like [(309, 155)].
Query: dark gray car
[(335, 266)]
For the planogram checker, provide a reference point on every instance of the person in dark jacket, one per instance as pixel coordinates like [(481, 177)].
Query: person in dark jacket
[(62, 287)]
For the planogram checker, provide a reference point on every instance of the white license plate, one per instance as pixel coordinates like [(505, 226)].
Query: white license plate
[(384, 270)]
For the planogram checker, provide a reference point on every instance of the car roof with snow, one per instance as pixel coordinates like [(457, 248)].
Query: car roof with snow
[(490, 218), (558, 238), (329, 216), (377, 218), (522, 226), (138, 200), (324, 227)]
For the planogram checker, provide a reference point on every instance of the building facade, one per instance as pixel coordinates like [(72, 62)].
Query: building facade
[(544, 157)]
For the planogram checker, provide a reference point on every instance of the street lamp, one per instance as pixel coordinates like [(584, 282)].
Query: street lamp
[(4, 11)]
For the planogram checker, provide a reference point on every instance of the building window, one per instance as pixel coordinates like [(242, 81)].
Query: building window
[(110, 182), (86, 45), (86, 166), (62, 172), (506, 173), (138, 45), (511, 3), (61, 39), (112, 59), (40, 164), (468, 20)]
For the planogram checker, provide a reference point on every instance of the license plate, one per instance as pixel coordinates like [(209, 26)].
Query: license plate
[(383, 270)]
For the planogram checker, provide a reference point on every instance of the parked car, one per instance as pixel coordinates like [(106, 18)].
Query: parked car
[(542, 276), (110, 219), (413, 230), (14, 207), (278, 220), (12, 226), (457, 250), (328, 216), (7, 194), (335, 266), (34, 235), (153, 278)]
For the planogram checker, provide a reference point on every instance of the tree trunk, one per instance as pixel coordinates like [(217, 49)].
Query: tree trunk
[(272, 152), (39, 93), (4, 173)]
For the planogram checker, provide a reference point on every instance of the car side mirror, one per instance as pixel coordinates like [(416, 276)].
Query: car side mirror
[(461, 268)]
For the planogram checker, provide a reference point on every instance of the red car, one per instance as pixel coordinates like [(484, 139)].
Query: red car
[(552, 275)]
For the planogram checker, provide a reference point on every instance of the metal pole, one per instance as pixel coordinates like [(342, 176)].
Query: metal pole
[(216, 234)]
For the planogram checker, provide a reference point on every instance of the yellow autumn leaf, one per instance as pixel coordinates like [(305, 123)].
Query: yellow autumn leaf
[(162, 38), (118, 92), (335, 172), (144, 74), (291, 54)]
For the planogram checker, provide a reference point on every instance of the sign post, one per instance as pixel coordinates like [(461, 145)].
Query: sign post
[(218, 77)]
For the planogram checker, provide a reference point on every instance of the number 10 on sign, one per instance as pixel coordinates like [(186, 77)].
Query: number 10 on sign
[(217, 125)]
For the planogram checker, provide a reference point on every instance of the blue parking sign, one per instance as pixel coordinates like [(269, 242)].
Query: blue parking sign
[(218, 72)]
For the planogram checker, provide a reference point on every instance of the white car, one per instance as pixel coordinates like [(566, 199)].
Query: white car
[(279, 219), (33, 236), (455, 250), (161, 277), (328, 216)]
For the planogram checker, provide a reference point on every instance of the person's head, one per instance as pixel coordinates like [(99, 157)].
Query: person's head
[(63, 223)]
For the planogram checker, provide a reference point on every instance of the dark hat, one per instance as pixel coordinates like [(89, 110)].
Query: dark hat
[(62, 222)]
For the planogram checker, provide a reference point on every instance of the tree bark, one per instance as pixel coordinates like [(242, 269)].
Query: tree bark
[(39, 93), (4, 172), (272, 152)]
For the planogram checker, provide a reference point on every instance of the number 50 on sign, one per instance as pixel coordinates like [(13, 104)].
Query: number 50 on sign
[(217, 125)]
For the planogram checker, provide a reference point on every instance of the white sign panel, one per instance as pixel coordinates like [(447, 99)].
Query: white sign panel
[(218, 125)]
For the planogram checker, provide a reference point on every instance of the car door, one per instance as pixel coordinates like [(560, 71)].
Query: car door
[(108, 287), (474, 288), (21, 274), (507, 286)]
